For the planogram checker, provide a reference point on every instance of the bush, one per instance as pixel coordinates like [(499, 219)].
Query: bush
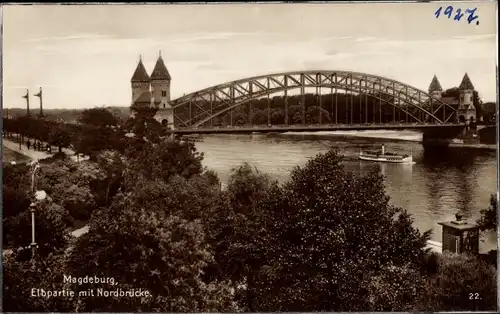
[(462, 283), (21, 276), (395, 288)]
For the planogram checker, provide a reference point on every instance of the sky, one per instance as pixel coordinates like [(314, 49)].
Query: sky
[(84, 56)]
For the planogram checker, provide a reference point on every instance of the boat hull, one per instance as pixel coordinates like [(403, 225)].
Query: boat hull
[(392, 160)]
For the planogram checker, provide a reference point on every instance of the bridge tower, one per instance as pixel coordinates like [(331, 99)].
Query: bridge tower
[(140, 85), (435, 89), (160, 90), (466, 110)]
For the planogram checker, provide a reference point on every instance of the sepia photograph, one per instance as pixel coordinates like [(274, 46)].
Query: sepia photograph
[(250, 157)]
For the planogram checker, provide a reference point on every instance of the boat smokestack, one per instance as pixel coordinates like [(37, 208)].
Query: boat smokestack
[(383, 149)]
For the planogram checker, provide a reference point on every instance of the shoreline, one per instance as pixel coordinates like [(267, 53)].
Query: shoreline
[(489, 147)]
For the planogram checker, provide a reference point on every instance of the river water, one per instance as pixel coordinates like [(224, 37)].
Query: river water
[(441, 182)]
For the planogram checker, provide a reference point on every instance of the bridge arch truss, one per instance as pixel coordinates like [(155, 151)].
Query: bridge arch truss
[(198, 108)]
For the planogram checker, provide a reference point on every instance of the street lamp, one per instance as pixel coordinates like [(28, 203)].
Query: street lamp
[(39, 196)]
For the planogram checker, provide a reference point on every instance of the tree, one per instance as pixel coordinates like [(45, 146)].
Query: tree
[(17, 197), (99, 117), (100, 132), (105, 187), (259, 117), (312, 115), (166, 159), (92, 141), (489, 109), (149, 247), (233, 227), (16, 194), (69, 184), (51, 232), (324, 232), (16, 189), (451, 92), (488, 220), (60, 136)]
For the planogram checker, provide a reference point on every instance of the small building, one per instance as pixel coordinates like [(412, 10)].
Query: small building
[(460, 236)]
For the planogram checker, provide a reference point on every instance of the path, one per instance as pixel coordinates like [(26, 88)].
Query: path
[(35, 154)]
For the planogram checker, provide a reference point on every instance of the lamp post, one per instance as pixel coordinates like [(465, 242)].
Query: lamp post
[(19, 138), (39, 196)]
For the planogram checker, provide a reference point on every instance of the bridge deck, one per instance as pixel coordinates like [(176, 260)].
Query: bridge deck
[(311, 128)]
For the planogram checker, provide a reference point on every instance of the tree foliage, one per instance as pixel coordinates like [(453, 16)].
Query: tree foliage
[(21, 276), (69, 184), (462, 283), (151, 247), (488, 220), (395, 288), (92, 141), (232, 228), (327, 230), (50, 217), (168, 158), (60, 136), (50, 227), (15, 189), (99, 117)]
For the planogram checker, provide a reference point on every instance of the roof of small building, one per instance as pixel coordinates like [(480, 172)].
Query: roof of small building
[(435, 85), (145, 97), (160, 71), (459, 226), (140, 74), (466, 83)]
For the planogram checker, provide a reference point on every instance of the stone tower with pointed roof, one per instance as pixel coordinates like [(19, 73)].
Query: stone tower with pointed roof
[(140, 84), (153, 91), (466, 110), (435, 89), (160, 90)]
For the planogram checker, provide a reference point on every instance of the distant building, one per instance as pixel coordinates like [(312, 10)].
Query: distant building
[(464, 101), (153, 91)]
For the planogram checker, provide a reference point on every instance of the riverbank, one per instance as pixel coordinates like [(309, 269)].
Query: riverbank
[(489, 147), (480, 146)]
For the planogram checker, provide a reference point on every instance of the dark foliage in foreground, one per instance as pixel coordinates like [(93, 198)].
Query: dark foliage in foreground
[(325, 240), (325, 234)]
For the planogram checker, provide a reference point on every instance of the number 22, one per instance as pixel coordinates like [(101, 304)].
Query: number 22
[(474, 296)]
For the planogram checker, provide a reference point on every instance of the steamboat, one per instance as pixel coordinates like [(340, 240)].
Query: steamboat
[(383, 156)]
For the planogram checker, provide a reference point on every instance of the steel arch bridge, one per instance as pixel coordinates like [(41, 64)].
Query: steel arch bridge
[(197, 109)]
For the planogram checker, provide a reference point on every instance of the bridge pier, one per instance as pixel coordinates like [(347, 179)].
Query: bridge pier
[(469, 134)]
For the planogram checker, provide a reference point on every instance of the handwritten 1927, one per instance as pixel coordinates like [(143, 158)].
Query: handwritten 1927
[(448, 11)]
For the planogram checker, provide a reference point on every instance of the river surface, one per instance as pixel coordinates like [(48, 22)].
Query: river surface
[(441, 182)]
